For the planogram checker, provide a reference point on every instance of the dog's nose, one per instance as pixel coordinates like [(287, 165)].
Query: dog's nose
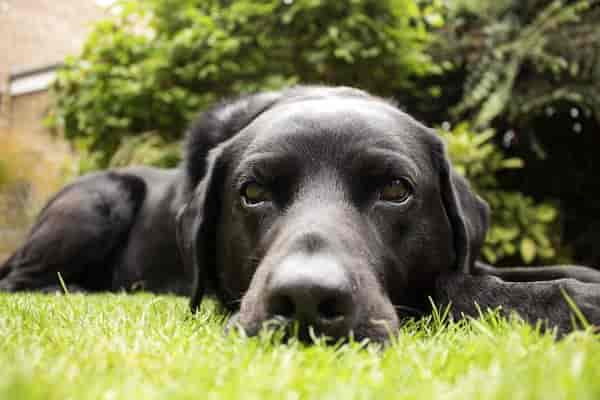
[(314, 290)]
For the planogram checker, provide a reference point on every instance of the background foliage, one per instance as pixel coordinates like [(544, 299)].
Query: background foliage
[(531, 70), (159, 62), (479, 66), (520, 228), (522, 56)]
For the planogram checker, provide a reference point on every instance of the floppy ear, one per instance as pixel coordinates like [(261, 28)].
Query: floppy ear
[(467, 212), (196, 222), (217, 125), (196, 228)]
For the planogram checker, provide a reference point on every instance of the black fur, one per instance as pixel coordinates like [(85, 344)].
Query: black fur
[(324, 154)]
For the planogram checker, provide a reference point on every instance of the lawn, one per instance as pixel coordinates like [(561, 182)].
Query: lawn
[(145, 347)]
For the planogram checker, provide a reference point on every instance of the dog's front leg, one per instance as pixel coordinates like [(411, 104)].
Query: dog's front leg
[(533, 301)]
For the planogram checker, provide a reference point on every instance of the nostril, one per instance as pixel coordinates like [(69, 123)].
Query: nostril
[(281, 305), (331, 308)]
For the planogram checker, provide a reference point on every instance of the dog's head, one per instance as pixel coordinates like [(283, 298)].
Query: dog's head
[(325, 206)]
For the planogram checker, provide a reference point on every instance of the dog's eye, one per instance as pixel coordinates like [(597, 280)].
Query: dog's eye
[(396, 191), (254, 193)]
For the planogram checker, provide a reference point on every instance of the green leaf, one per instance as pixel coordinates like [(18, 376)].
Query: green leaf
[(546, 213), (489, 255), (528, 250), (512, 163)]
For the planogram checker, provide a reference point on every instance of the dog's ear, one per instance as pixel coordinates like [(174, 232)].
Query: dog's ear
[(468, 214), (196, 227), (196, 222), (218, 124)]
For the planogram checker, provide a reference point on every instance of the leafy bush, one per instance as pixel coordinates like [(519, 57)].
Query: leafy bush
[(157, 63), (520, 228), (522, 56), (529, 69), (148, 149)]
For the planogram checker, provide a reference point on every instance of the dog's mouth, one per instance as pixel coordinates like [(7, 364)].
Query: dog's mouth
[(318, 295), (286, 329), (332, 332)]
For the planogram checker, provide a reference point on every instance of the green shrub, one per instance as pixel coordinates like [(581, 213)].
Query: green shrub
[(520, 228), (158, 62), (530, 68), (147, 149), (522, 56)]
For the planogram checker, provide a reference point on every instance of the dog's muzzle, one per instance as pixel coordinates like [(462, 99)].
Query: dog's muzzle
[(313, 290)]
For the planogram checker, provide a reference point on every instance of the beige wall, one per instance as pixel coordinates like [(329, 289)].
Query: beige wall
[(26, 118), (3, 118), (37, 162), (27, 112), (34, 34), (37, 33)]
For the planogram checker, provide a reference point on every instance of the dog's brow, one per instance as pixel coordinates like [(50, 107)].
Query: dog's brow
[(383, 162), (267, 163)]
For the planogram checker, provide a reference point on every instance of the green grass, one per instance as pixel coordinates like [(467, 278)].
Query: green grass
[(145, 347)]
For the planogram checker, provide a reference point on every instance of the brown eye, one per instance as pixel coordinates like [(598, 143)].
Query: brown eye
[(253, 194), (396, 191)]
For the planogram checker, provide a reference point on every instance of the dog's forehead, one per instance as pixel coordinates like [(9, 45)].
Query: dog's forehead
[(335, 123)]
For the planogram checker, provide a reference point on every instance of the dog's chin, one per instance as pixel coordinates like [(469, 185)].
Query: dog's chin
[(374, 331)]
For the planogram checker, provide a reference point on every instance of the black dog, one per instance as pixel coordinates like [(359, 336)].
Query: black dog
[(325, 206)]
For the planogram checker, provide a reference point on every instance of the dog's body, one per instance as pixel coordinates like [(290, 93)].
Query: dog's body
[(106, 231), (325, 206)]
